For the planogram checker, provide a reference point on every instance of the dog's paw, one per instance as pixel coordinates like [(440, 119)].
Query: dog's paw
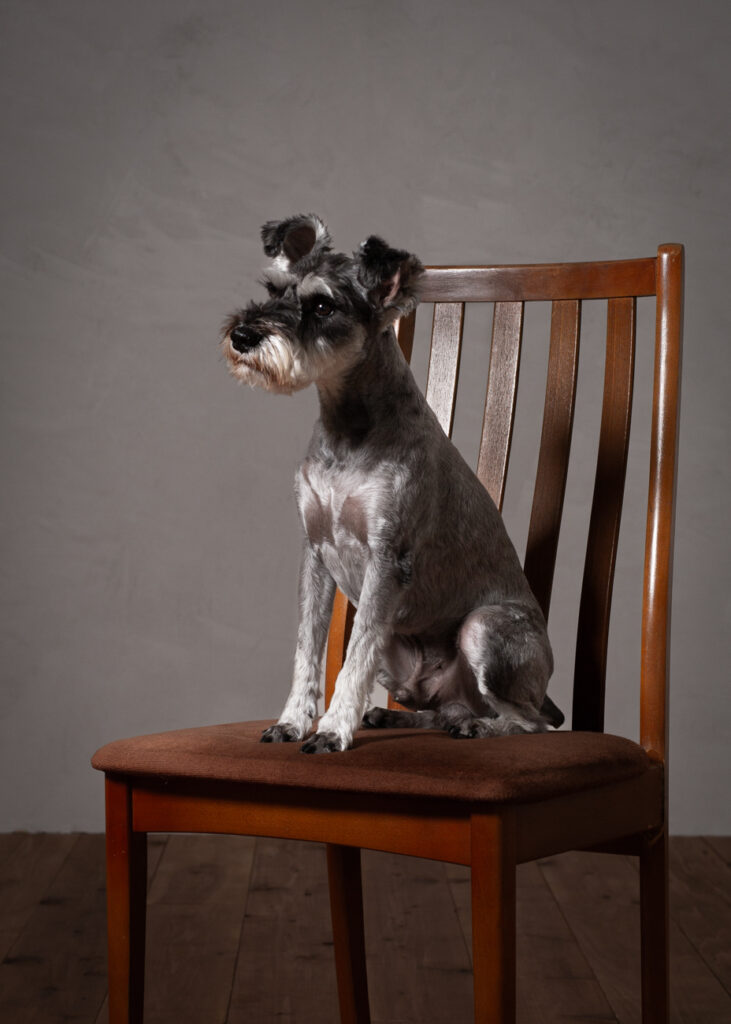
[(280, 733), (322, 743), (375, 718), (469, 729), (462, 732)]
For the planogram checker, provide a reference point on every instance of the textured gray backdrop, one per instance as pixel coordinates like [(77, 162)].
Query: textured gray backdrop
[(150, 542)]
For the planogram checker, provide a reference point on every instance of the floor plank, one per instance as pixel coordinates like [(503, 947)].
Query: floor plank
[(700, 893), (28, 865), (195, 909), (240, 931), (418, 964), (56, 969), (285, 971), (599, 896), (555, 981), (722, 846), (9, 843)]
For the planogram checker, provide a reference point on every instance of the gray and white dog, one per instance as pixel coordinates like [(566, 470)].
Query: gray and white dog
[(393, 516)]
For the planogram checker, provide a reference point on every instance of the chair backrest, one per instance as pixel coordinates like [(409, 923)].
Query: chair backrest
[(565, 285)]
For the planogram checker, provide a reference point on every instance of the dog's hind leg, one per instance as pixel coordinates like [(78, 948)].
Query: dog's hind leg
[(507, 648), (509, 723), (392, 718), (403, 661), (553, 715)]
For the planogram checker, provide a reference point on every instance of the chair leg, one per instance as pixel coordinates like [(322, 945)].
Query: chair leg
[(655, 928), (346, 907), (126, 904), (493, 917)]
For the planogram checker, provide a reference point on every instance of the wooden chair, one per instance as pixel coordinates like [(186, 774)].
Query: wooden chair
[(490, 803)]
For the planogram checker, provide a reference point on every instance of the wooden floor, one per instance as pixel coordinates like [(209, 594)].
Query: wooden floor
[(239, 932)]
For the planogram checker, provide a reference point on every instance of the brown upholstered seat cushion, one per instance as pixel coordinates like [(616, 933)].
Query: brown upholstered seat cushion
[(387, 762)]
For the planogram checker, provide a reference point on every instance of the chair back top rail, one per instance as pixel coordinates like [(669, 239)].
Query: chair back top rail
[(540, 282)]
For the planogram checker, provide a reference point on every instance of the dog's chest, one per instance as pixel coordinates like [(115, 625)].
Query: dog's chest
[(342, 512)]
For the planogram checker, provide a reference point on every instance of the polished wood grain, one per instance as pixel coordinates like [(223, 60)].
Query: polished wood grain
[(556, 980), (404, 329), (661, 502), (493, 859), (346, 908), (502, 385), (627, 816), (540, 282), (553, 456), (446, 348), (400, 825), (606, 511), (654, 927), (126, 897), (341, 626)]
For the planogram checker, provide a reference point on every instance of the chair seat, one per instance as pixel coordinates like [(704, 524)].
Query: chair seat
[(392, 762)]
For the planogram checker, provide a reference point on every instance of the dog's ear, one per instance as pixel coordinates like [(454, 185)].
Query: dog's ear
[(289, 241), (390, 276)]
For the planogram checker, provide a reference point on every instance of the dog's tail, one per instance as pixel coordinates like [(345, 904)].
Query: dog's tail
[(553, 715)]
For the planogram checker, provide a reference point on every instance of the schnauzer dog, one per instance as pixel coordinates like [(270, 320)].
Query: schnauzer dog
[(392, 514)]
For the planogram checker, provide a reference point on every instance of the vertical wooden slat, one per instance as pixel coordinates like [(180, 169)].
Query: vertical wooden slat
[(404, 329), (341, 625), (502, 382), (446, 345), (661, 501), (553, 460), (606, 510)]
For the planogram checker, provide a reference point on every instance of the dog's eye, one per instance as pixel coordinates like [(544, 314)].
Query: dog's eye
[(323, 308)]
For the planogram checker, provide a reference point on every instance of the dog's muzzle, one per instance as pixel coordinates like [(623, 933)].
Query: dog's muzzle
[(244, 338)]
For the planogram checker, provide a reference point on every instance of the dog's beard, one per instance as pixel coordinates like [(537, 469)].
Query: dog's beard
[(283, 368)]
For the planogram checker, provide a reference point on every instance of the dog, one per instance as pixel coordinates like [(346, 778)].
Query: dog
[(392, 514)]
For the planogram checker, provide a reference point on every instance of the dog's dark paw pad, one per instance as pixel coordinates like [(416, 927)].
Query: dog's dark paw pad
[(460, 732), (279, 734), (322, 743), (374, 719)]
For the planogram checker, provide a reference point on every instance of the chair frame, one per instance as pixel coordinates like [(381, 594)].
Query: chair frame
[(624, 817)]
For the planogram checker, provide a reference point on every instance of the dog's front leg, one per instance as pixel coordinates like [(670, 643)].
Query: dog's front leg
[(316, 593), (371, 630)]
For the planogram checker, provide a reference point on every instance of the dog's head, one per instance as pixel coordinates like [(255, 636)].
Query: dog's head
[(322, 307)]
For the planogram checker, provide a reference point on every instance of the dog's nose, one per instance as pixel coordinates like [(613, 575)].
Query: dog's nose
[(244, 338)]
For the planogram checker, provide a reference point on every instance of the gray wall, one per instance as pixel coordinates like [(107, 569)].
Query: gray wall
[(150, 541)]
